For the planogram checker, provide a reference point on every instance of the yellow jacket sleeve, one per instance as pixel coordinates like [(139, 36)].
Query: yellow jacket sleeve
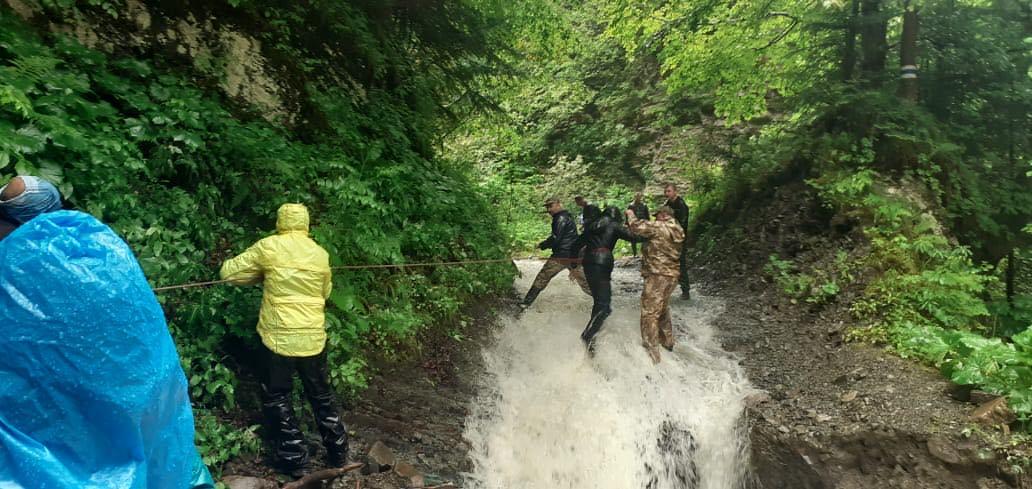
[(327, 284), (244, 269)]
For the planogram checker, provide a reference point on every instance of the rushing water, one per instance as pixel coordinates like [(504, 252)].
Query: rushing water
[(550, 417)]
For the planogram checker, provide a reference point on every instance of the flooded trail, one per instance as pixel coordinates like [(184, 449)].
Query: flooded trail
[(548, 416)]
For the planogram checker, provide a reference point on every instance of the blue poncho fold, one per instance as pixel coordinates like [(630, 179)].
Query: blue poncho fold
[(92, 394)]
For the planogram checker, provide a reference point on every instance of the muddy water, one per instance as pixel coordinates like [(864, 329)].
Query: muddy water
[(549, 416)]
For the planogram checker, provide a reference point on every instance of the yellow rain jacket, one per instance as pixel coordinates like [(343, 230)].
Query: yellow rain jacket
[(297, 280)]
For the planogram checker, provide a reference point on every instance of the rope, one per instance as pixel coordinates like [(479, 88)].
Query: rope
[(371, 267), (190, 285)]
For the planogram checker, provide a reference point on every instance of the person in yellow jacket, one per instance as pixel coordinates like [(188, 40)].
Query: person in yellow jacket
[(295, 274)]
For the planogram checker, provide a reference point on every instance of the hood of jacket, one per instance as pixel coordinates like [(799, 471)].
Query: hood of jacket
[(292, 217)]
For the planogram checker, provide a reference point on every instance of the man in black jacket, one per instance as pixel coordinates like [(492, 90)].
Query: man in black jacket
[(676, 203), (563, 243), (601, 232), (641, 211)]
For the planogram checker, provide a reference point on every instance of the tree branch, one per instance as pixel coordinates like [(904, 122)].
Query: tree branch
[(782, 35), (314, 480)]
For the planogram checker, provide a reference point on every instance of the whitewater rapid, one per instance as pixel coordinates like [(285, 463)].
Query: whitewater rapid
[(548, 416)]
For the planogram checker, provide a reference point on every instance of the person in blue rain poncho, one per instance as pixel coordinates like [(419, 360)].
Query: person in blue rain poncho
[(92, 394)]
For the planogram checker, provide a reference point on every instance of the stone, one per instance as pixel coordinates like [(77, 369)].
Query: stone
[(993, 413), (849, 396), (411, 473), (944, 449), (243, 482), (823, 418), (756, 398), (980, 397), (987, 483), (960, 393), (382, 456)]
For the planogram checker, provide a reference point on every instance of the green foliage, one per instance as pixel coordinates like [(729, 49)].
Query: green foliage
[(736, 51), (220, 442), (927, 301), (966, 358), (820, 287)]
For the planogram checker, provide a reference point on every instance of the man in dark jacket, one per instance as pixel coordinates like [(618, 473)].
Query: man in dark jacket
[(564, 254), (601, 231), (641, 211), (680, 209)]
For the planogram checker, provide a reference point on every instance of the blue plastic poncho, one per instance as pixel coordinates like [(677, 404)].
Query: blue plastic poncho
[(92, 394)]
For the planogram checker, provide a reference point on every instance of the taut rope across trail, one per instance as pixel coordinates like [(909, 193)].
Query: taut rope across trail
[(376, 266)]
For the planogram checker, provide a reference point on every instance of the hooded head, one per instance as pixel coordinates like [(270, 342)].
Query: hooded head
[(613, 213), (292, 217), (591, 213)]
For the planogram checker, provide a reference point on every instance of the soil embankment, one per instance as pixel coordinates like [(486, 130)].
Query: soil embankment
[(835, 414)]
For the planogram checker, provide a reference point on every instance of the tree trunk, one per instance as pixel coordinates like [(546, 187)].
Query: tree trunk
[(873, 33), (908, 56), (849, 50), (1012, 273)]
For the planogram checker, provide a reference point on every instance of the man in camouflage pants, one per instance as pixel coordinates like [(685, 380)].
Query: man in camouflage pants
[(565, 254), (660, 267)]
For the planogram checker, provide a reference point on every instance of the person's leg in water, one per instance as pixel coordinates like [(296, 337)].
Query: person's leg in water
[(598, 277), (550, 269), (655, 299), (315, 377), (291, 455), (665, 324), (577, 275), (686, 286)]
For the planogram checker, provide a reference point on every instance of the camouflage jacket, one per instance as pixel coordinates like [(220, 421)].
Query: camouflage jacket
[(662, 253)]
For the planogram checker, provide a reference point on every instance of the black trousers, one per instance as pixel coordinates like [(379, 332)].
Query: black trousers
[(289, 441), (599, 281), (686, 286)]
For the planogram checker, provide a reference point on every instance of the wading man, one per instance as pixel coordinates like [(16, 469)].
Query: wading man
[(563, 242), (601, 232), (661, 268), (676, 203), (295, 273)]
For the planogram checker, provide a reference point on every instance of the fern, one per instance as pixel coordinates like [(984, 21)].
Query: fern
[(16, 100)]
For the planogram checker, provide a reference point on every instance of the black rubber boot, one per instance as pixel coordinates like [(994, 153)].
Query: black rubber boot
[(531, 296), (334, 432), (289, 442), (598, 318), (315, 375)]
